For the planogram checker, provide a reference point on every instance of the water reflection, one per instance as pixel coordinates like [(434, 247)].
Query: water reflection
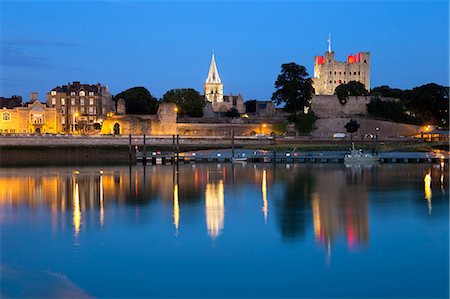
[(214, 204), (331, 201), (265, 208)]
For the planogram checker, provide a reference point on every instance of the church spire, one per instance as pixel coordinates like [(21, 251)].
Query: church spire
[(213, 74)]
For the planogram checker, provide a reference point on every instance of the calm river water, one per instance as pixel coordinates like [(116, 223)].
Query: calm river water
[(211, 230)]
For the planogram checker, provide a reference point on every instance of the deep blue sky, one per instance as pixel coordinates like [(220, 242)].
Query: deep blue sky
[(165, 45)]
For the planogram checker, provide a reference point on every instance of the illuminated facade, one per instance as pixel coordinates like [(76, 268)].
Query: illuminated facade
[(213, 89), (329, 73), (83, 106), (33, 117)]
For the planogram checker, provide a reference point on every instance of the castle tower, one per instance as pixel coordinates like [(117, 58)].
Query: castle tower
[(329, 73), (213, 85)]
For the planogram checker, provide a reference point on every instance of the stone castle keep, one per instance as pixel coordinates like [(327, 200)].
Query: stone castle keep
[(329, 73)]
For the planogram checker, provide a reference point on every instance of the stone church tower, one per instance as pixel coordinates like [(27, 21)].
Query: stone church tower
[(213, 85)]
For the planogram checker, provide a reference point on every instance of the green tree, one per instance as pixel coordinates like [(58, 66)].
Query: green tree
[(233, 112), (188, 100), (138, 100), (304, 123), (342, 93), (390, 110), (352, 88), (431, 103), (250, 106), (352, 126), (293, 88), (356, 88)]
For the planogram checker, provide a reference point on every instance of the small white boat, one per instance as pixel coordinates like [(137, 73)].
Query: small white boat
[(239, 160), (357, 156)]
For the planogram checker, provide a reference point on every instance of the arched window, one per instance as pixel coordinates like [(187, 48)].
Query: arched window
[(6, 116), (354, 73), (82, 93), (116, 129)]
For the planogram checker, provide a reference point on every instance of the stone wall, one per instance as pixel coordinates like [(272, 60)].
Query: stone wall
[(328, 106), (327, 127)]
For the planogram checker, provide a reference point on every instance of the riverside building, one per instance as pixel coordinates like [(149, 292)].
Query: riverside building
[(83, 106)]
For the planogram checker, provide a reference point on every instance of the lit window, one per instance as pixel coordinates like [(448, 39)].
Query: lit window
[(53, 101), (37, 118), (72, 102), (72, 93), (82, 93), (91, 93), (6, 116), (83, 110), (82, 102), (63, 101), (91, 101), (91, 110), (63, 121), (53, 92)]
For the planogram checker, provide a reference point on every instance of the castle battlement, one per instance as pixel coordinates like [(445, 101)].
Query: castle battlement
[(329, 73)]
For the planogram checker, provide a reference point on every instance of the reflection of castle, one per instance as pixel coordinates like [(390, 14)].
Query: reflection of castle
[(340, 209)]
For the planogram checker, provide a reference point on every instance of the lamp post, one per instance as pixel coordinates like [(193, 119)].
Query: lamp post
[(376, 138)]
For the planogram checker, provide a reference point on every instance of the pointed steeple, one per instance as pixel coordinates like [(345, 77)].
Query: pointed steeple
[(213, 74)]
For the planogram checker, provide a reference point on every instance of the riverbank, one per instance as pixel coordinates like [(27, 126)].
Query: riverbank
[(112, 150)]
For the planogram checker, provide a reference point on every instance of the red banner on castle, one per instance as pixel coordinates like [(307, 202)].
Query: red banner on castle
[(320, 60), (354, 58)]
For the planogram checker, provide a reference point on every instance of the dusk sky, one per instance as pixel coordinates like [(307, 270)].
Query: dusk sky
[(165, 45)]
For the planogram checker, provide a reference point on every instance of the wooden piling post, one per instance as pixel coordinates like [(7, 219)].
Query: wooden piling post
[(129, 147), (274, 148), (232, 144), (144, 155), (178, 146)]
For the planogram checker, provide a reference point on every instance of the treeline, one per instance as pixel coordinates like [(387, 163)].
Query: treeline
[(425, 104), (138, 100)]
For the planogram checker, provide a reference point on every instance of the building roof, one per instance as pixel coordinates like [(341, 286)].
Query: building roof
[(213, 74), (12, 102), (77, 86)]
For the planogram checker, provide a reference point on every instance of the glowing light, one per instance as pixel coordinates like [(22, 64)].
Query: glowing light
[(265, 208), (316, 216), (102, 215), (176, 207), (427, 187), (76, 209), (214, 204), (76, 114)]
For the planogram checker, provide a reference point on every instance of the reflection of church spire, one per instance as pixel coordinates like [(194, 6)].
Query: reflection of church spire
[(264, 195), (213, 74), (214, 203)]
